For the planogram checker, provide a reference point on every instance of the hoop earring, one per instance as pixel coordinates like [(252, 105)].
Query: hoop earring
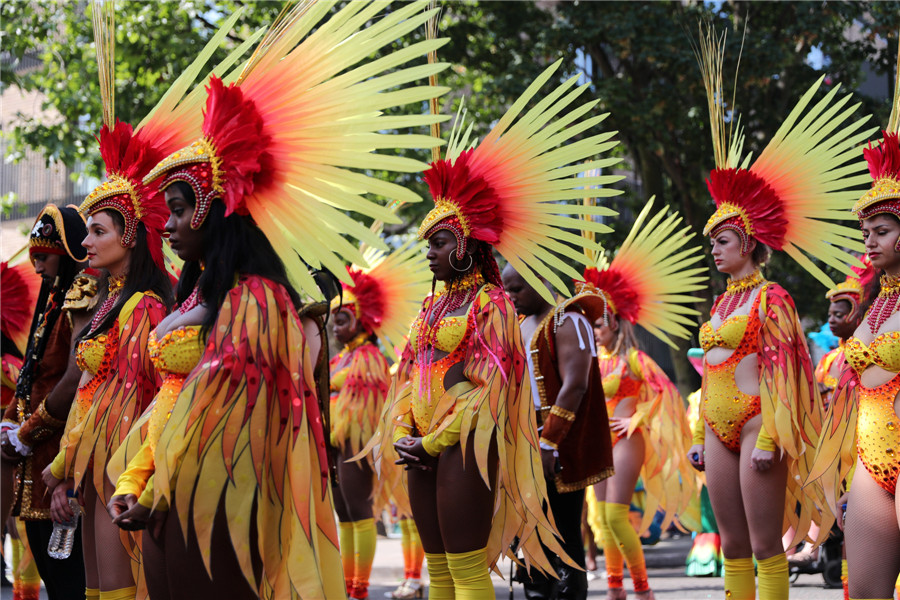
[(455, 268)]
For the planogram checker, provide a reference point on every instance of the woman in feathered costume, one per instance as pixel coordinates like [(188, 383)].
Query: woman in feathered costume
[(760, 404), (126, 219), (648, 282), (240, 463), (861, 428), (461, 411), (380, 304)]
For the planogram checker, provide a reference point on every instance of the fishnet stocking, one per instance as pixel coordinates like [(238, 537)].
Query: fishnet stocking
[(872, 538)]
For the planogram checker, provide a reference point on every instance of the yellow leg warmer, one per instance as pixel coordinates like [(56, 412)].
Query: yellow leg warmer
[(119, 594), (440, 586), (774, 580), (345, 539), (740, 580), (91, 594), (364, 545), (629, 544), (413, 553), (615, 561), (471, 576)]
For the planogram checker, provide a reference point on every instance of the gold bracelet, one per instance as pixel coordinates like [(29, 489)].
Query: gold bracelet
[(48, 419), (562, 413)]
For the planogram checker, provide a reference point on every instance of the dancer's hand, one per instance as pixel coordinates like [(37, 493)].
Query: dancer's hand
[(761, 460), (412, 454), (619, 425), (136, 517), (697, 457), (549, 462), (49, 480), (119, 504), (60, 511)]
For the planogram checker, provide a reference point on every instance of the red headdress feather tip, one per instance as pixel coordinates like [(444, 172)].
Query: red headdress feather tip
[(20, 286), (625, 300), (884, 159), (236, 130)]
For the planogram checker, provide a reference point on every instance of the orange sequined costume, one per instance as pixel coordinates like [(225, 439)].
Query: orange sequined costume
[(622, 379), (724, 407), (877, 426), (174, 357), (358, 391)]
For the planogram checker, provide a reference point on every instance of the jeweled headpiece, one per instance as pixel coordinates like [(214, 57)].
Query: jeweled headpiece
[(130, 153), (650, 278), (799, 182), (509, 191), (386, 297), (884, 167), (128, 157), (58, 230), (853, 287), (293, 147)]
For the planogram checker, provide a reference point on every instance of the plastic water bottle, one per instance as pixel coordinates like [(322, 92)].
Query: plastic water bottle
[(63, 536)]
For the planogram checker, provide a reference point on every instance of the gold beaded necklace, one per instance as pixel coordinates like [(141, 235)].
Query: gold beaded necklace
[(738, 291)]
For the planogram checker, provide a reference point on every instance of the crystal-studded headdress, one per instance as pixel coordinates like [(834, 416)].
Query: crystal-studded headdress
[(130, 153), (292, 141), (853, 287), (800, 182), (513, 189), (650, 279)]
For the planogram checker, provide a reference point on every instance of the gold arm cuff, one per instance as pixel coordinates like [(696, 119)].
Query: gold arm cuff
[(561, 412), (48, 419), (547, 442)]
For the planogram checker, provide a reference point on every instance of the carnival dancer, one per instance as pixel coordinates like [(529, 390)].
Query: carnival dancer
[(760, 406), (240, 463), (567, 392), (47, 384), (861, 428), (461, 412), (648, 282), (379, 305)]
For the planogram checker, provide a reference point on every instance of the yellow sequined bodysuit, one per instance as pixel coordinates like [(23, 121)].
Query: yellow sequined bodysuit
[(451, 337), (877, 427), (725, 408), (619, 384), (174, 356)]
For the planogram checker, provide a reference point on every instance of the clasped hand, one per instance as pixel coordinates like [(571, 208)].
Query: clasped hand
[(413, 454)]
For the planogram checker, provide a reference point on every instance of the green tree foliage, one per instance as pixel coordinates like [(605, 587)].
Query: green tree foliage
[(637, 57)]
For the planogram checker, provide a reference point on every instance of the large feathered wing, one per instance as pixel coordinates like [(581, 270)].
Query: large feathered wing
[(791, 405), (246, 430)]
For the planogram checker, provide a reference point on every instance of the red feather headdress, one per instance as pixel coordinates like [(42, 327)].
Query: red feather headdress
[(230, 160), (747, 205), (129, 157), (20, 286), (853, 287), (621, 298)]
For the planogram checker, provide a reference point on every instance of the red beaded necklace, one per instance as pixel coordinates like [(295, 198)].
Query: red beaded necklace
[(115, 286), (885, 304), (191, 301), (738, 292)]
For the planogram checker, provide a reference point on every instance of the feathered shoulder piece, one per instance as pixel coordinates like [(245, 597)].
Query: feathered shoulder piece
[(649, 280), (387, 296), (293, 140), (515, 189), (802, 180)]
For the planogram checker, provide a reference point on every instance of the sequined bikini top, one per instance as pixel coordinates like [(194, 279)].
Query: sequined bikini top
[(450, 334), (90, 352), (884, 351), (728, 335), (616, 383), (178, 352)]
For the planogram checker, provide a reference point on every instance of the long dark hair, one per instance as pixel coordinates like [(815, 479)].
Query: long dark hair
[(47, 310), (232, 245), (144, 275)]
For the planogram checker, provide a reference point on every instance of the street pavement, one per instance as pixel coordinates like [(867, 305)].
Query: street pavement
[(665, 563)]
